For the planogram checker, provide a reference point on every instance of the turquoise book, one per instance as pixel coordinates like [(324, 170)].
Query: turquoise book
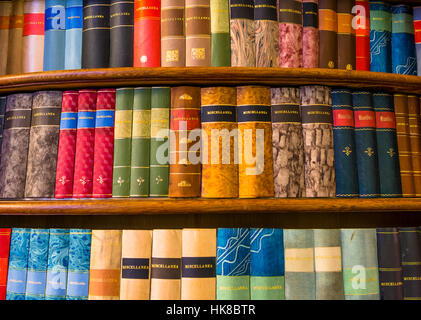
[(74, 26), (58, 261), (79, 263), (18, 264), (233, 264), (37, 264), (267, 264), (55, 34)]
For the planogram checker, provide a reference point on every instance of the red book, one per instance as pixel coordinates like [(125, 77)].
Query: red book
[(147, 33), (4, 260), (362, 33), (66, 146), (85, 142), (104, 144)]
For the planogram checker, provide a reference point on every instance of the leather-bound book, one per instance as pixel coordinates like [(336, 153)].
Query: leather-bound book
[(85, 144), (5, 13), (310, 33), (55, 35), (198, 37), (346, 35), (198, 264), (328, 37), (33, 36), (185, 167), (135, 265), (5, 235), (287, 143), (96, 34), (414, 137), (147, 33), (290, 18), (380, 37), (255, 170), (3, 102), (105, 265), (43, 144), (17, 124), (410, 245), (389, 259), (166, 265), (74, 28), (362, 35), (14, 50), (173, 34), (266, 33), (243, 48), (319, 158), (121, 33), (267, 264), (417, 29), (220, 33), (219, 124), (104, 144)]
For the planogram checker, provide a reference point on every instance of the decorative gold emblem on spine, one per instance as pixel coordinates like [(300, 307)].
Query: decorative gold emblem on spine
[(391, 152), (347, 151), (369, 151), (140, 180), (158, 179), (120, 181)]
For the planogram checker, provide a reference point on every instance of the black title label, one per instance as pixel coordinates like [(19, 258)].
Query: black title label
[(199, 267), (46, 116), (254, 113), (165, 268), (242, 9), (265, 10), (135, 268), (316, 114), (17, 119), (310, 15), (286, 113), (291, 12), (219, 114)]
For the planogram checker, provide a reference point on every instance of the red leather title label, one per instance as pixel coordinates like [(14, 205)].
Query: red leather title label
[(417, 27), (385, 120), (185, 119), (343, 118), (33, 24), (365, 119)]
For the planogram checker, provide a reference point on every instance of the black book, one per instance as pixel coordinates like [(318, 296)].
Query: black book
[(410, 239), (121, 35)]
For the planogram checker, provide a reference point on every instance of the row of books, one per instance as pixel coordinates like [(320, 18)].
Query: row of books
[(38, 35), (208, 264)]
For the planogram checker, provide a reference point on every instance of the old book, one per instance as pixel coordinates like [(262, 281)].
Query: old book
[(362, 35), (121, 33), (185, 168), (220, 33), (243, 48), (346, 35), (5, 15), (166, 265), (5, 234), (414, 136), (255, 170), (173, 34), (319, 159), (417, 29), (135, 265), (105, 265), (410, 248), (233, 264), (3, 102), (380, 37), (198, 264), (14, 49), (17, 123), (55, 35), (219, 135), (74, 28), (266, 33), (328, 38), (290, 19), (43, 144), (310, 33)]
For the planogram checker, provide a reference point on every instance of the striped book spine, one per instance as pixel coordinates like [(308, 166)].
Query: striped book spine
[(417, 29), (5, 15), (55, 35), (415, 139), (362, 33), (220, 33), (346, 35), (266, 33), (74, 27), (328, 34), (5, 235), (410, 245), (380, 37), (173, 35), (14, 54), (310, 33)]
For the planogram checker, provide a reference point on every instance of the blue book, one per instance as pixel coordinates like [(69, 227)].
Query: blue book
[(55, 35), (417, 27), (380, 37), (37, 264), (74, 26), (18, 264), (58, 262), (79, 262)]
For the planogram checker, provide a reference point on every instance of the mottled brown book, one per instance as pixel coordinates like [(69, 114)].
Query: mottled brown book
[(173, 35), (14, 50), (328, 28), (5, 13), (415, 138), (346, 35), (219, 136), (266, 33), (255, 170)]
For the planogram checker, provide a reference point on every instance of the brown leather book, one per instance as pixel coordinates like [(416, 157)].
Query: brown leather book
[(415, 137), (5, 12), (346, 35), (14, 50), (185, 162), (328, 27)]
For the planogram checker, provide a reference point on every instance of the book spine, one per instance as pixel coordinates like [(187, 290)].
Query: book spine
[(380, 37), (74, 28), (17, 124), (233, 264), (3, 102), (255, 173), (266, 33), (328, 30), (287, 143), (417, 29), (344, 143), (79, 262), (96, 34), (147, 33), (185, 167), (43, 144), (14, 50), (346, 35), (198, 33), (37, 264), (362, 34), (173, 34), (33, 36), (291, 19), (5, 13), (122, 142), (389, 259), (366, 145), (267, 279), (166, 265), (243, 48), (104, 144), (198, 264), (136, 265), (105, 265), (319, 155), (410, 248), (414, 136), (160, 125), (55, 35), (310, 33), (121, 33), (85, 144), (220, 33), (18, 264), (219, 119), (141, 143), (387, 146), (5, 235)]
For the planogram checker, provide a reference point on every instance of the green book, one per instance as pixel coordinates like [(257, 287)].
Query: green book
[(220, 33)]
